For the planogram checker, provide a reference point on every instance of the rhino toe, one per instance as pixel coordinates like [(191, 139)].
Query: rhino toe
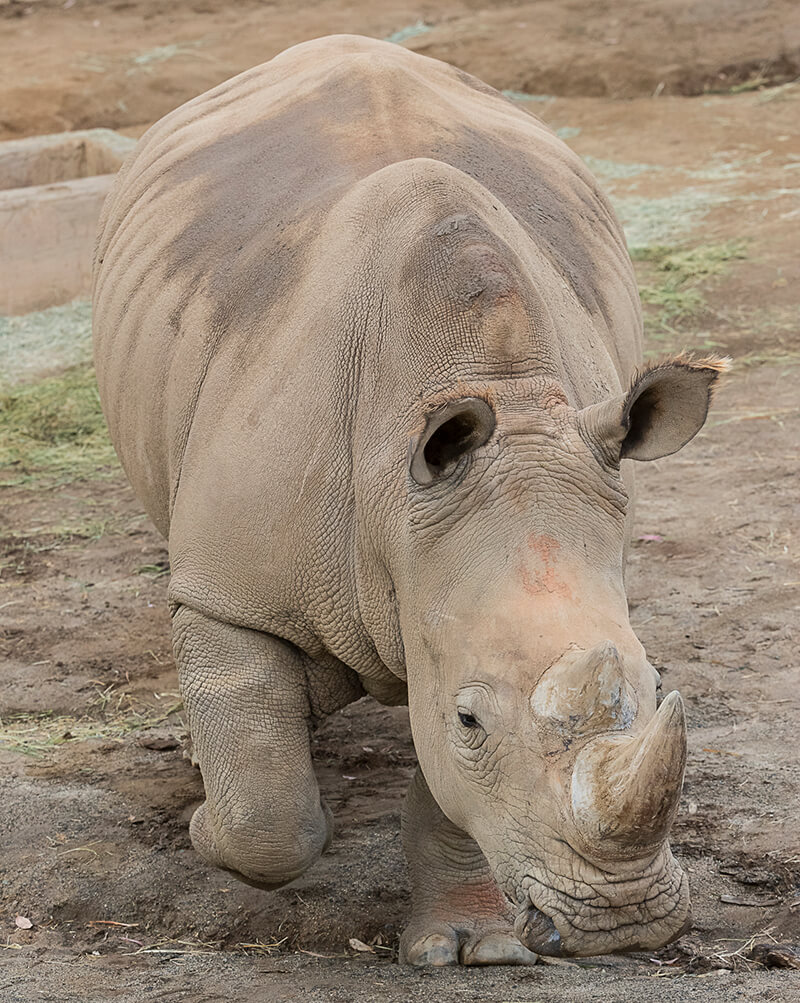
[(435, 949), (498, 948)]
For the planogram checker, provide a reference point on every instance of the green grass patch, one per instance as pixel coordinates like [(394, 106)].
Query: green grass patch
[(693, 262), (45, 341), (410, 31), (53, 431), (675, 301), (673, 280)]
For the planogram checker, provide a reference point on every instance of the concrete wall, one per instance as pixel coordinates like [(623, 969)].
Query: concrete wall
[(51, 192)]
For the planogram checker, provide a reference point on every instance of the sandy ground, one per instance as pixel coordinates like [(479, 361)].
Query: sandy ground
[(96, 791)]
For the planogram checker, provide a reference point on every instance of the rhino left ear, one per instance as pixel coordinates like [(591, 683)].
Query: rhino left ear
[(665, 407)]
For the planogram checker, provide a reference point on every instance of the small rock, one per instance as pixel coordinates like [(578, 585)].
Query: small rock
[(359, 945), (158, 743)]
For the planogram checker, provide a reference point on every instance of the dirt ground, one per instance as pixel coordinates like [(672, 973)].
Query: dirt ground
[(125, 63), (96, 790)]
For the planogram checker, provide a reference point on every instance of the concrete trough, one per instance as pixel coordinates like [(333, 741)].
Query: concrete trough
[(51, 191)]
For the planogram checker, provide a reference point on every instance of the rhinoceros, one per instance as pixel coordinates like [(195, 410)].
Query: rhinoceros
[(369, 346)]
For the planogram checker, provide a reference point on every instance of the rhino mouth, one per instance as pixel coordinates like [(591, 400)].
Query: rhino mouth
[(641, 913)]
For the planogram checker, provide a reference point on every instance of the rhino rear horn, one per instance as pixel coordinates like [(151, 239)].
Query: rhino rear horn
[(625, 790), (585, 692)]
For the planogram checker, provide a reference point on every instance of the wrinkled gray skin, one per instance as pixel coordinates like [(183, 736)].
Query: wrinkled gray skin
[(366, 338)]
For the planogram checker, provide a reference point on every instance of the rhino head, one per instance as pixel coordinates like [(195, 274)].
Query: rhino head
[(534, 710)]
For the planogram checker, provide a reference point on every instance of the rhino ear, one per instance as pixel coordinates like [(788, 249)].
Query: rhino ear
[(665, 407), (450, 431)]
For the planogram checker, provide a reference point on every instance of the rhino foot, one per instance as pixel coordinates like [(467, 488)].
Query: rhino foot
[(483, 945)]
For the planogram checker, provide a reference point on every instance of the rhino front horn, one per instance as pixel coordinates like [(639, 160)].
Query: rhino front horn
[(625, 790)]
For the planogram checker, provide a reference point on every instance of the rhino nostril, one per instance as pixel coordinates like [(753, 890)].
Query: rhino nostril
[(537, 932)]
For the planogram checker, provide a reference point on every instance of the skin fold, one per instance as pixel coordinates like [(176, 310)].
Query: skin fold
[(368, 342)]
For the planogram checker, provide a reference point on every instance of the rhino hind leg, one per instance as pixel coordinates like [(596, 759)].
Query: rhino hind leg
[(247, 702), (458, 914)]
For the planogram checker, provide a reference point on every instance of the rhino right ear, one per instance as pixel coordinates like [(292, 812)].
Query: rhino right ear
[(665, 407)]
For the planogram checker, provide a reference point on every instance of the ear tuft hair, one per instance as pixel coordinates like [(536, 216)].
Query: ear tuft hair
[(719, 364)]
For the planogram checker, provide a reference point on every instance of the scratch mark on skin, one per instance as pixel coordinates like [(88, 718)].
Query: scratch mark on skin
[(545, 579), (435, 617), (306, 472)]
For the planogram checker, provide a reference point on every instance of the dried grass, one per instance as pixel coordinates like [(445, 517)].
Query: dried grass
[(117, 714), (53, 431)]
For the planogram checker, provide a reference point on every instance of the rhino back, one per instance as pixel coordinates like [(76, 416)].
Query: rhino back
[(209, 310)]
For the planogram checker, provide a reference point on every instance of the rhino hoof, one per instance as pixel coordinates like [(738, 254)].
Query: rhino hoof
[(497, 949), (435, 949), (441, 948)]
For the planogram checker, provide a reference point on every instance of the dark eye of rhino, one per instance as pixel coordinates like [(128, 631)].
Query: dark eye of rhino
[(468, 720)]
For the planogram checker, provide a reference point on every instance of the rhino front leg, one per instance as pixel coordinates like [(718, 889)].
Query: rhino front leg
[(246, 698), (458, 914)]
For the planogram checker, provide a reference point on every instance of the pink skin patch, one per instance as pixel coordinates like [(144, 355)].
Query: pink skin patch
[(479, 900), (544, 579)]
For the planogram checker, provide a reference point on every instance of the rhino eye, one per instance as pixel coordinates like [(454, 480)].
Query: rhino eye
[(468, 720)]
